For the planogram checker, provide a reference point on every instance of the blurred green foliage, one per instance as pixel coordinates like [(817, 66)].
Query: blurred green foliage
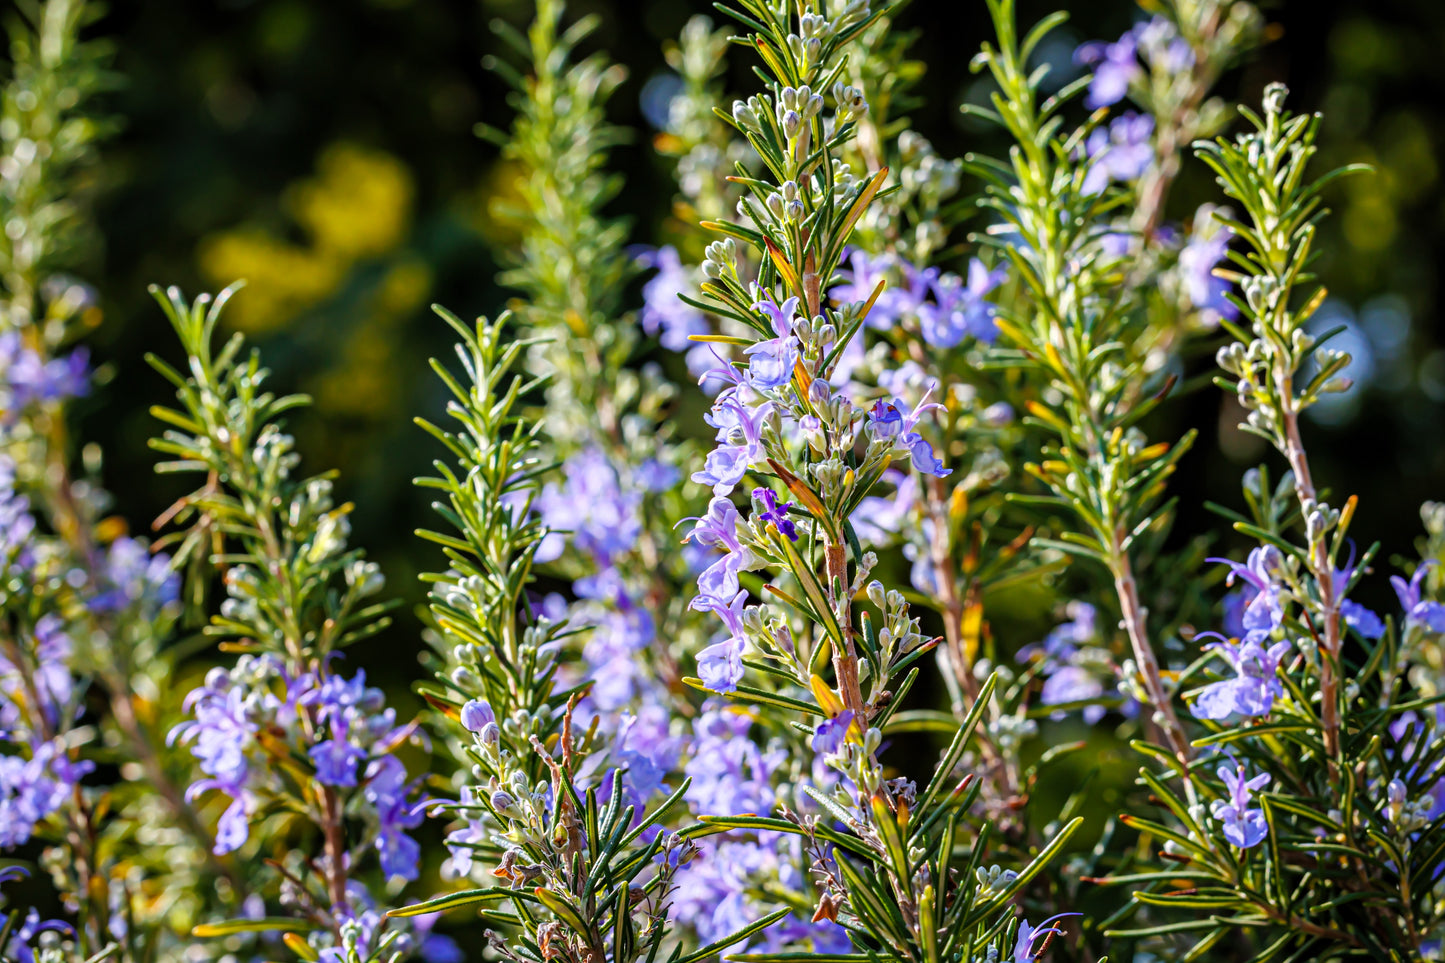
[(323, 149)]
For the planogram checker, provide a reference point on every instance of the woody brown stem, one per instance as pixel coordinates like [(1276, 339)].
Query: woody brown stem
[(845, 660), (1134, 623)]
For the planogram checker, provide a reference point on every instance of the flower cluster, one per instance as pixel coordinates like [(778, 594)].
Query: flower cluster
[(341, 726)]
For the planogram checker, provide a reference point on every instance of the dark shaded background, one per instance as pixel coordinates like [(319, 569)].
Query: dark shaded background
[(324, 150)]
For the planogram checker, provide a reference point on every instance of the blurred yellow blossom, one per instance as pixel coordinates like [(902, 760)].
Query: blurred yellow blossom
[(357, 206)]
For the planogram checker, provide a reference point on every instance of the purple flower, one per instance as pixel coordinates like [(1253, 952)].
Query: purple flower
[(830, 734), (740, 436), (1031, 940), (391, 800), (335, 761), (771, 362), (663, 310), (888, 423), (896, 300), (1074, 683), (731, 774), (1244, 827), (1262, 571), (1122, 153), (131, 576), (718, 529), (28, 379), (961, 311), (720, 665), (19, 947), (1362, 620), (31, 789), (1116, 66), (1197, 262), (775, 512), (603, 520), (1418, 612), (1254, 688)]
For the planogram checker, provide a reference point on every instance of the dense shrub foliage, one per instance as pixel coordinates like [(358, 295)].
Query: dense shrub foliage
[(713, 578)]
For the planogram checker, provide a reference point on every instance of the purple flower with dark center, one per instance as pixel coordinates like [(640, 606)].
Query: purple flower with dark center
[(1122, 153), (1244, 827), (1254, 688), (1116, 66), (960, 310), (1033, 940), (1207, 292), (1418, 611), (830, 734), (776, 512), (888, 423), (1262, 571), (720, 665)]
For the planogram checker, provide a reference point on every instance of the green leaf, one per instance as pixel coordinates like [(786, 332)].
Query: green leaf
[(268, 924)]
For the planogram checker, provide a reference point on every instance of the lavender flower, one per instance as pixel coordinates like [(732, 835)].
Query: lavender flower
[(1254, 688), (1116, 66), (775, 512), (601, 517), (1031, 941), (28, 379), (1418, 612), (960, 311), (740, 437), (1362, 620), (1122, 153), (718, 529), (1197, 261), (720, 665), (31, 789), (771, 362), (888, 423), (830, 734), (1265, 611), (665, 312), (132, 576), (1244, 827)]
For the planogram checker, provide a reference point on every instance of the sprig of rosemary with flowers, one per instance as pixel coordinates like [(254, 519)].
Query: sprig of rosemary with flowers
[(1327, 787), (586, 872), (283, 730), (883, 851)]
